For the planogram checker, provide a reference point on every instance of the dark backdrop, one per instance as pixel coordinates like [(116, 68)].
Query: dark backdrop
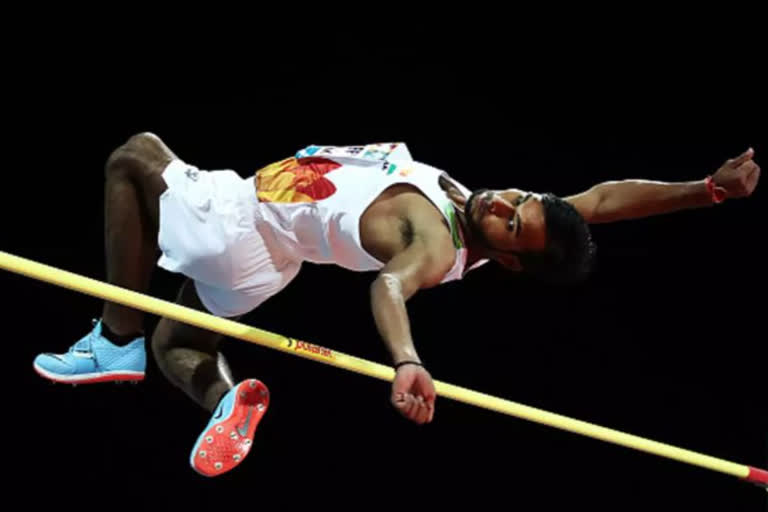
[(665, 341)]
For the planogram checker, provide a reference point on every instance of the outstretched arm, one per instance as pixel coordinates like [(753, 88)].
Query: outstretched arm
[(419, 266), (631, 199), (423, 264)]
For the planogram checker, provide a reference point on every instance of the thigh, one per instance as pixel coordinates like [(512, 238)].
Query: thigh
[(156, 157), (259, 279)]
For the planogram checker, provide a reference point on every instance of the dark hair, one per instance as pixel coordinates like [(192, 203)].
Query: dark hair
[(570, 253)]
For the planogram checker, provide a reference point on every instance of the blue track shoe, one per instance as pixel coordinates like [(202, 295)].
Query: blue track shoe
[(95, 359), (228, 437)]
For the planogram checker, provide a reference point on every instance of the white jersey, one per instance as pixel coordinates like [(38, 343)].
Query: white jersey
[(314, 201)]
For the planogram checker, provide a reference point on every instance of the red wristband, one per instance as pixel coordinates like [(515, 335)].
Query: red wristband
[(717, 193)]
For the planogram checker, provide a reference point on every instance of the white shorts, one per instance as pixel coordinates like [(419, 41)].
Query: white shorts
[(211, 232)]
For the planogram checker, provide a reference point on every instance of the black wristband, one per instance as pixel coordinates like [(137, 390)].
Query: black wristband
[(401, 363)]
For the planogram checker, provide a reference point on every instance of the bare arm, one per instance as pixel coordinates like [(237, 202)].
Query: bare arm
[(422, 265), (631, 199), (613, 201)]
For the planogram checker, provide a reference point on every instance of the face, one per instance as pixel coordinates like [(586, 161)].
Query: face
[(507, 220)]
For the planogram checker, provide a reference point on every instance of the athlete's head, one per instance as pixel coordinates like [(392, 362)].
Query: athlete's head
[(539, 234)]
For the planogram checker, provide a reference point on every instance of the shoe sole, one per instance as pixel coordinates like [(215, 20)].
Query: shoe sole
[(91, 378), (225, 444)]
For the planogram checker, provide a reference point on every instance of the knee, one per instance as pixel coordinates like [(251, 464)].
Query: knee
[(160, 347), (139, 153)]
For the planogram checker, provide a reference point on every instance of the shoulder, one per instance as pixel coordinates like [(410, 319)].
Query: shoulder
[(432, 238)]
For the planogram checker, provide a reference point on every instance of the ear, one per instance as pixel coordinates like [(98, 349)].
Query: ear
[(509, 261)]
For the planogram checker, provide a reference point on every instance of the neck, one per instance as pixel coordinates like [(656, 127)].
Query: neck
[(475, 249)]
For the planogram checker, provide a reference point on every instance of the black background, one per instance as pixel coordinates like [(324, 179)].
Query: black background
[(665, 341)]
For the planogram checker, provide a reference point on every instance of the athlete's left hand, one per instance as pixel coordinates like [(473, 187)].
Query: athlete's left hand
[(738, 176)]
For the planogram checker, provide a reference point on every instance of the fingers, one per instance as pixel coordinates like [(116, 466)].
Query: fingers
[(421, 413), (747, 176), (404, 402), (408, 406), (752, 180), (415, 408), (431, 406), (413, 394), (744, 157)]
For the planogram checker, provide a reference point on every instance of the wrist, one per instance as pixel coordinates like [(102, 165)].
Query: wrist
[(403, 363), (407, 353), (715, 193), (406, 359)]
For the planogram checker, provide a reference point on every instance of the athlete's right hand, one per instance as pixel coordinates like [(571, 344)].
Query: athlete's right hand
[(413, 393)]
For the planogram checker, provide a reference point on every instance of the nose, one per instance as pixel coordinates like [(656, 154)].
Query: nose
[(500, 207)]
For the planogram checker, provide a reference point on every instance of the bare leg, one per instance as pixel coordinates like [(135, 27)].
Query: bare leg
[(132, 193), (188, 356)]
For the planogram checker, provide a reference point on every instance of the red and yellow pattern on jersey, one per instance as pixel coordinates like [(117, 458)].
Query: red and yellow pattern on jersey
[(295, 180)]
